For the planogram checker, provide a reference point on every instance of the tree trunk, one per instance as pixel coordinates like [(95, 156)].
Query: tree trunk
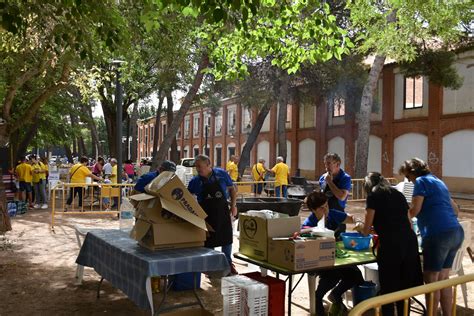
[(363, 116), (169, 120), (96, 145), (110, 127), (5, 224), (67, 149), (363, 129), (156, 135), (187, 102), (282, 105), (29, 135), (245, 155), (133, 132), (81, 146)]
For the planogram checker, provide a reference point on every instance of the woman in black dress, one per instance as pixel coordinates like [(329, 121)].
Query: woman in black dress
[(397, 255)]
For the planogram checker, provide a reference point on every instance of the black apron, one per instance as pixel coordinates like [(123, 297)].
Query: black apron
[(218, 214), (333, 203)]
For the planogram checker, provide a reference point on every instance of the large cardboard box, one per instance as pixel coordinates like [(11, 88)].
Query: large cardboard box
[(302, 254), (168, 216), (255, 232)]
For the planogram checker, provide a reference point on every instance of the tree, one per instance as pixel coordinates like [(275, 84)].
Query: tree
[(398, 29)]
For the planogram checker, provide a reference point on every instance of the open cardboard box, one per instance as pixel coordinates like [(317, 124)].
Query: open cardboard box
[(255, 232), (168, 216)]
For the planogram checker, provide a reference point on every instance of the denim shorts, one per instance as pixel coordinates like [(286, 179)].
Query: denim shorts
[(439, 250), (25, 186)]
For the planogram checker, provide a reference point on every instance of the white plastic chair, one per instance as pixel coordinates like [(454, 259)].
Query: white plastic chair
[(457, 267)]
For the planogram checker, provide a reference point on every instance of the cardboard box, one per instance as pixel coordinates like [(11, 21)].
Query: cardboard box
[(302, 254), (189, 312), (255, 231), (168, 216)]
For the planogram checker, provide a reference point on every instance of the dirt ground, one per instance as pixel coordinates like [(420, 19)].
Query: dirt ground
[(37, 272)]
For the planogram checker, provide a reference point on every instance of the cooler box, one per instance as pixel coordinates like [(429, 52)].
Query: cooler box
[(276, 292), (185, 281)]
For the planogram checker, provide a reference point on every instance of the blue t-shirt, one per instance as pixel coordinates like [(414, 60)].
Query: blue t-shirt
[(342, 180), (335, 218), (437, 214), (197, 182), (144, 180)]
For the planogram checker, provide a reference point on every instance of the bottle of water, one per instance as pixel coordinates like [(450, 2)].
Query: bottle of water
[(126, 220), (414, 222)]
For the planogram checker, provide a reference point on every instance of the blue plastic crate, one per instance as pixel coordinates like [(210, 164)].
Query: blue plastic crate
[(185, 281)]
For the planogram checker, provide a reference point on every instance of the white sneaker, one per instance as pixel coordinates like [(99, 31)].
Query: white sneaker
[(36, 206), (44, 206)]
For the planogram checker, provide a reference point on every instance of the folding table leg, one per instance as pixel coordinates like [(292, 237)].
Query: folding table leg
[(290, 292), (98, 287), (311, 291)]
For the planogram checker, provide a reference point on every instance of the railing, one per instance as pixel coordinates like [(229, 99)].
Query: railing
[(247, 187), (405, 295), (87, 198), (358, 194)]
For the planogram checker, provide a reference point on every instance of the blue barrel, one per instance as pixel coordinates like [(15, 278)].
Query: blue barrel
[(364, 291)]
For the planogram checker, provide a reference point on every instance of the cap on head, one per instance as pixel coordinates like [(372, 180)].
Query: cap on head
[(168, 165)]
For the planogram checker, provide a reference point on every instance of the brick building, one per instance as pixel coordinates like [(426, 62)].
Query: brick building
[(415, 118)]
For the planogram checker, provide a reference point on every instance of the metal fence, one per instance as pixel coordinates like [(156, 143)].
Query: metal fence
[(87, 199), (376, 303), (358, 194)]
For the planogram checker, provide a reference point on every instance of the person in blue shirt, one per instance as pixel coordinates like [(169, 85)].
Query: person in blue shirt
[(340, 279), (145, 179), (336, 184), (213, 187), (441, 233)]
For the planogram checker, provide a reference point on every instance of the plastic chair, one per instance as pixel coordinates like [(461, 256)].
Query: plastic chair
[(457, 267)]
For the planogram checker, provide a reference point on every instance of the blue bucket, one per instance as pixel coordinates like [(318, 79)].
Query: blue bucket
[(185, 281), (364, 291), (356, 241)]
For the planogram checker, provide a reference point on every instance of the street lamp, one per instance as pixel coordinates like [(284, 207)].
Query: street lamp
[(118, 105)]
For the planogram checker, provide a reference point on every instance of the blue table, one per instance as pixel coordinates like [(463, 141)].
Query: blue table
[(129, 267)]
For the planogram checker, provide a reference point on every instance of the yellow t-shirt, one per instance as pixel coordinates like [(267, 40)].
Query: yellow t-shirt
[(23, 172), (37, 176), (258, 172), (233, 170), (78, 173), (114, 172), (281, 173)]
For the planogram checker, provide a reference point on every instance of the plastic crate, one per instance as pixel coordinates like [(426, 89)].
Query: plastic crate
[(276, 292), (244, 296), (185, 281)]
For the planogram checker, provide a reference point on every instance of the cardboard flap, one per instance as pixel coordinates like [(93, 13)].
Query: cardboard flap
[(159, 182), (176, 208), (140, 229), (142, 197), (283, 227)]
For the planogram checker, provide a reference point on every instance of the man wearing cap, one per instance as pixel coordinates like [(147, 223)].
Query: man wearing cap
[(148, 177), (212, 187)]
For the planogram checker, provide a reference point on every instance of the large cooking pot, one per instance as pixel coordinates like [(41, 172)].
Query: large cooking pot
[(280, 205)]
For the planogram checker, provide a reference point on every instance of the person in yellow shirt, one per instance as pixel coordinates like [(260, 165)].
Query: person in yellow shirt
[(281, 172), (39, 182), (258, 175), (232, 168), (25, 176), (78, 174)]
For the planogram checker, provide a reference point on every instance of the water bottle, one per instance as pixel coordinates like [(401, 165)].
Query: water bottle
[(414, 222), (126, 220)]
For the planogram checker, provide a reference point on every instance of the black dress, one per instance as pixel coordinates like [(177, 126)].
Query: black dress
[(397, 256)]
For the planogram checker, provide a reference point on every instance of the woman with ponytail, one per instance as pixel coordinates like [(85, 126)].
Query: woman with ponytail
[(397, 256)]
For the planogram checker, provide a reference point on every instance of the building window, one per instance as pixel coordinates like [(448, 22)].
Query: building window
[(196, 126), (152, 133), (218, 123), (231, 119), (339, 107), (289, 111), (146, 136), (207, 123), (413, 92), (178, 134), (196, 151), (246, 120), (186, 127), (218, 158), (163, 133)]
